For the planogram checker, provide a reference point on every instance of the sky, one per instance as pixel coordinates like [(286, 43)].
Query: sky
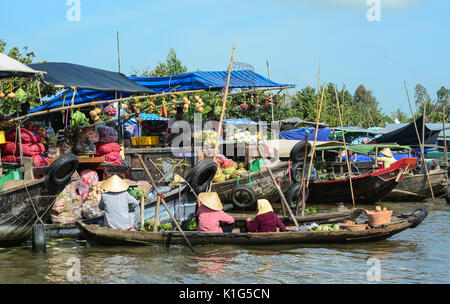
[(409, 42)]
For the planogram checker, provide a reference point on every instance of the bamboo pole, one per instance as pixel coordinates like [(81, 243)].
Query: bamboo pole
[(156, 222), (345, 148), (95, 103), (423, 121), (118, 50), (142, 198), (282, 197), (315, 136), (445, 138), (164, 203), (302, 183), (420, 144), (224, 105)]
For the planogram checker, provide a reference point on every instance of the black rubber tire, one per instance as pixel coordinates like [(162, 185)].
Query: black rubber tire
[(294, 193), (202, 174), (62, 169), (243, 205), (447, 197), (295, 151), (296, 171), (39, 243)]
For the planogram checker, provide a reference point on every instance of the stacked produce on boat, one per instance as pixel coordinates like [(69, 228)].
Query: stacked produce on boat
[(33, 138)]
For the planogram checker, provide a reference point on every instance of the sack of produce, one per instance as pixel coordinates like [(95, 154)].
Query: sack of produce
[(84, 147), (106, 148), (10, 159), (91, 207), (12, 148), (67, 207), (87, 178), (27, 136), (106, 134), (91, 134), (113, 158), (40, 161)]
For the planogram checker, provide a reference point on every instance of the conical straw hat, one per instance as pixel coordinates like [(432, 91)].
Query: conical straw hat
[(115, 184), (264, 206), (386, 152), (211, 200)]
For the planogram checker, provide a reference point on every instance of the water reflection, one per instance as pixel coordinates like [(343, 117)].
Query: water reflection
[(417, 255)]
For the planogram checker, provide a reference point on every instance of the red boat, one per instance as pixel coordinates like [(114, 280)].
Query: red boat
[(368, 188)]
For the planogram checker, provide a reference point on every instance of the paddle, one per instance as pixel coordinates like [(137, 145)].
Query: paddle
[(164, 203)]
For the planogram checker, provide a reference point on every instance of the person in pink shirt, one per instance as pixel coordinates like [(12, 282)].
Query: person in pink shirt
[(210, 214)]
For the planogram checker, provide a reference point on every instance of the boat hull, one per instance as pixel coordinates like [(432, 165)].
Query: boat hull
[(367, 189), (19, 207), (106, 236), (415, 188)]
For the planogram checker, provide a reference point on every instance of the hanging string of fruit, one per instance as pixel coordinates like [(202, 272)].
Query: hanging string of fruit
[(199, 104), (187, 104), (95, 114), (244, 105)]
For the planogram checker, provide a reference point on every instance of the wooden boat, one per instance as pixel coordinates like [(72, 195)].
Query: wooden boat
[(19, 207), (416, 188), (108, 236), (367, 188), (23, 202)]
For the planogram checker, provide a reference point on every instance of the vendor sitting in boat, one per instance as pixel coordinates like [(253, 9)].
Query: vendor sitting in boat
[(388, 159), (210, 214), (115, 201), (266, 220)]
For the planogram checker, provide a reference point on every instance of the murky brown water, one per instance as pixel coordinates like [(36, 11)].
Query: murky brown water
[(419, 255)]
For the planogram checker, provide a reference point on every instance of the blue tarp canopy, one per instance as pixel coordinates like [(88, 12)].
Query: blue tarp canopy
[(300, 134), (182, 82), (81, 77), (206, 81)]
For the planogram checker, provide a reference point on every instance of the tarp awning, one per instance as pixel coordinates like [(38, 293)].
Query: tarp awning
[(71, 75), (408, 135), (10, 67), (300, 134), (364, 149), (211, 80)]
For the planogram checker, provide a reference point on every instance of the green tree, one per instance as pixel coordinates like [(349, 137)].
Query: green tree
[(8, 106), (172, 66)]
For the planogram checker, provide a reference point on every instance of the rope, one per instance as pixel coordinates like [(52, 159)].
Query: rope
[(32, 203)]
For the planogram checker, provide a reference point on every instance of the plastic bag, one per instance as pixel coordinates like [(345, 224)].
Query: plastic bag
[(91, 210), (87, 178), (106, 134), (67, 207)]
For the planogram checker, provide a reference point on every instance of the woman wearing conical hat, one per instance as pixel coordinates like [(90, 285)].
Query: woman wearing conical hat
[(210, 214), (387, 159), (266, 220), (115, 201)]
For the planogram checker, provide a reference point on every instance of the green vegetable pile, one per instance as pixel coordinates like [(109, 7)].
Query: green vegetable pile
[(79, 120), (312, 210), (329, 227), (148, 226)]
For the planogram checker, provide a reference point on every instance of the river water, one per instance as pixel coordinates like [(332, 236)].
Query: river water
[(419, 255)]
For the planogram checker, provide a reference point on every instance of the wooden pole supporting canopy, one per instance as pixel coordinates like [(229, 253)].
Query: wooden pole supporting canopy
[(224, 105), (420, 144)]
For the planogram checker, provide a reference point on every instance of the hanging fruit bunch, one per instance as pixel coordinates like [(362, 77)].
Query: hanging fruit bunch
[(110, 111), (124, 106), (163, 109), (137, 106), (199, 104), (152, 106), (95, 114), (252, 99), (187, 104), (173, 107)]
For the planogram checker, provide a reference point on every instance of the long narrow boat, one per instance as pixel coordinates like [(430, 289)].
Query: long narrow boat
[(22, 204), (416, 188), (368, 188), (107, 236)]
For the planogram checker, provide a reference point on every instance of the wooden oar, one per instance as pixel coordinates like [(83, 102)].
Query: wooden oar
[(164, 203), (282, 197)]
